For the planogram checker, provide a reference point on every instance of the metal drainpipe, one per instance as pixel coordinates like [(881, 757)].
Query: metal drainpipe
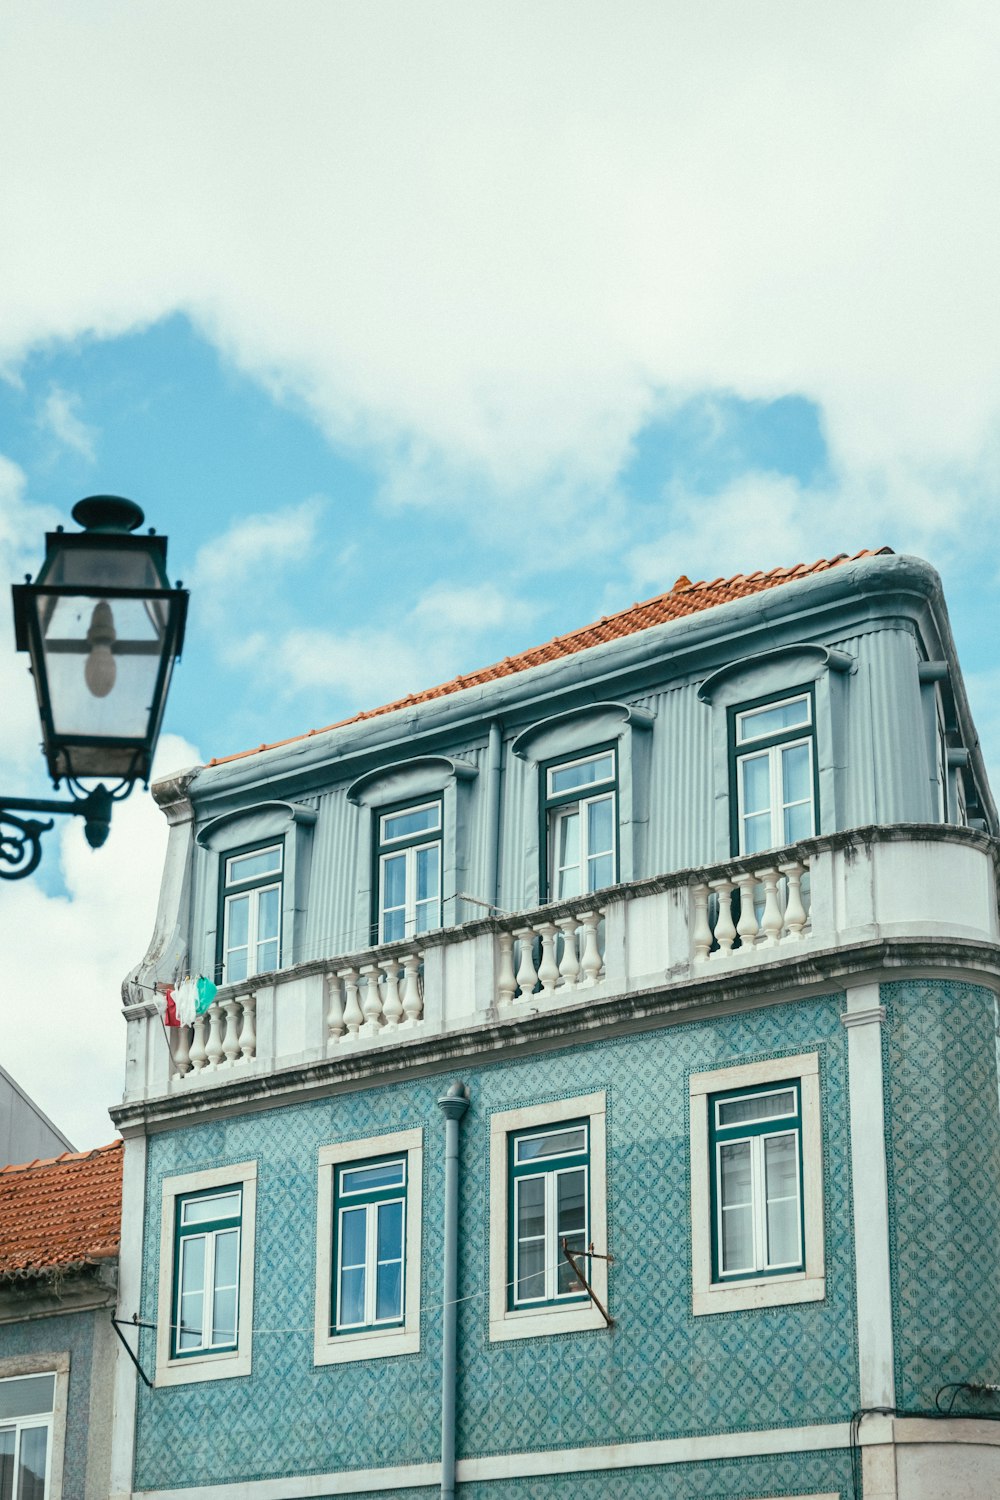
[(453, 1105), (493, 762)]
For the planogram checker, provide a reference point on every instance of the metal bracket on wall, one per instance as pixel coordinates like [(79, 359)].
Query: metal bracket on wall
[(118, 1324), (590, 1254)]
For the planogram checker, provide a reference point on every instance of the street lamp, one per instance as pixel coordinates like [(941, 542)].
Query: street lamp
[(102, 627)]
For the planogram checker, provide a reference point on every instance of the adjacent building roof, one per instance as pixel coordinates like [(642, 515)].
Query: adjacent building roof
[(61, 1213), (685, 598)]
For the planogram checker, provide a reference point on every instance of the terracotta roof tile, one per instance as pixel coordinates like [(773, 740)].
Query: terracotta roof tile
[(60, 1212), (685, 598)]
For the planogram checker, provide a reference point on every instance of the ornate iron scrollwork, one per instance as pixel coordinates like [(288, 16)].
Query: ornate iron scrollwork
[(20, 844)]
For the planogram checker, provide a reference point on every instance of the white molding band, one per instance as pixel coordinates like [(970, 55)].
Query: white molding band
[(863, 1019), (129, 1303)]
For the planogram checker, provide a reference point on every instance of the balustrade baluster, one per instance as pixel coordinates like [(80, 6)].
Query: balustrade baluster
[(725, 927), (747, 924), (181, 1049), (527, 974), (373, 1001), (506, 978), (701, 932), (413, 1000), (795, 912), (771, 921), (335, 1011), (392, 1006), (231, 1045), (569, 963), (199, 1052), (548, 969), (214, 1047), (248, 1031), (353, 1014), (590, 959)]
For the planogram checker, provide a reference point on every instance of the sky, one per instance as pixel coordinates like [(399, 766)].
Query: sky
[(428, 332)]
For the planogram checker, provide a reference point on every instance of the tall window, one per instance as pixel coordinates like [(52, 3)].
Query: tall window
[(581, 825), (773, 750), (369, 1257), (207, 1274), (756, 1153), (549, 1199), (251, 925), (26, 1404), (409, 871)]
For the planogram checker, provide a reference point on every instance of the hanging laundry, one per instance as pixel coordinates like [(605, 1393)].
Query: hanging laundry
[(189, 1000)]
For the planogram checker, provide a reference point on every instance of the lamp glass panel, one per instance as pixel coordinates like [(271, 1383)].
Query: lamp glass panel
[(102, 660)]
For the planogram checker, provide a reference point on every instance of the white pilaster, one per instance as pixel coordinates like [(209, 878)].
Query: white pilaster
[(863, 1019), (129, 1302)]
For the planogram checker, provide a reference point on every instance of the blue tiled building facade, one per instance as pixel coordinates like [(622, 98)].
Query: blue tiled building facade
[(758, 1071)]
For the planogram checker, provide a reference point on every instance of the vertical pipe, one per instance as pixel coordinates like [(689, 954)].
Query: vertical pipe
[(453, 1105), (493, 763)]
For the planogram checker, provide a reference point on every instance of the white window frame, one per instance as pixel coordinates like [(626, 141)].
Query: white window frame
[(188, 1368), (211, 1238), (530, 1320), (348, 1204), (758, 1179), (590, 793), (372, 1341), (409, 852), (252, 893), (20, 1367), (745, 752), (772, 1290)]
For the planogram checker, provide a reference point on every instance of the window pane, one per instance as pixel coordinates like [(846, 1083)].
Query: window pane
[(192, 1317), (756, 833), (600, 872), (267, 957), (224, 1315), (585, 773), (389, 1235), (253, 866), (6, 1463), (352, 1296), (530, 1207), (428, 873), (411, 821), (756, 773), (192, 1292), (427, 916), (193, 1263), (571, 1203), (236, 966), (217, 1206), (795, 778), (567, 855), (773, 719), (530, 1269), (389, 1292), (27, 1396), (781, 1171), (238, 930), (393, 926), (268, 913), (799, 822), (393, 881), (737, 1211), (227, 1247), (352, 1236), (31, 1486), (568, 1280), (363, 1179), (755, 1107), (600, 826), (553, 1143)]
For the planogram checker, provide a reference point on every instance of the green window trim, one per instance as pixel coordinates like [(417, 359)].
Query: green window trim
[(551, 803), (748, 1137), (741, 751), (384, 849), (230, 890), (210, 1230), (547, 1171), (369, 1200)]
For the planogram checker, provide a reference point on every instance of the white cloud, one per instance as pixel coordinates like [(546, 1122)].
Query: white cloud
[(60, 415), (487, 244), (63, 1036), (22, 538), (445, 608), (254, 546)]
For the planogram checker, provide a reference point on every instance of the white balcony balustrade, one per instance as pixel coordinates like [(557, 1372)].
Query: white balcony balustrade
[(842, 891)]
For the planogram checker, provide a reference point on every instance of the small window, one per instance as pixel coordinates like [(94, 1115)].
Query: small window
[(251, 920), (773, 765), (206, 1295), (756, 1141), (26, 1407), (409, 871), (370, 1258), (549, 1205), (368, 1248), (580, 805)]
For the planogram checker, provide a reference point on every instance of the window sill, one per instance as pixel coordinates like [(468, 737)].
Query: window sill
[(767, 1291), (530, 1324), (202, 1367), (368, 1343)]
